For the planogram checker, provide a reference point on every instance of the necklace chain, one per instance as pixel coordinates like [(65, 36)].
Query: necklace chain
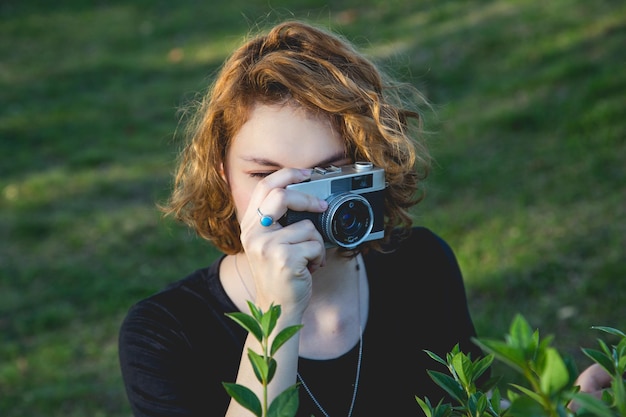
[(356, 382), (358, 365)]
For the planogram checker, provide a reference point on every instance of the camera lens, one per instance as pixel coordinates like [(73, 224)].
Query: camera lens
[(348, 220)]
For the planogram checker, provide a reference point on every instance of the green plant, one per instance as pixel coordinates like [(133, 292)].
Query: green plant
[(613, 360), (261, 325), (550, 379)]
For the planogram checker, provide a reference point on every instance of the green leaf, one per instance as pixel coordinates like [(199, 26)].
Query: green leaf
[(264, 369), (592, 404), (271, 369), (440, 410), (510, 355), (545, 343), (529, 393), (610, 330), (554, 376), (284, 335), (496, 401), (449, 385), (526, 407), (621, 364), (245, 397), (520, 333), (481, 365), (436, 357), (601, 359), (462, 367), (477, 404), (257, 313), (248, 323), (425, 406), (268, 321), (259, 364), (620, 349), (605, 348), (285, 404), (619, 393)]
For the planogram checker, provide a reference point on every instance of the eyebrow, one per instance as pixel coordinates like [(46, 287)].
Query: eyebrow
[(328, 161)]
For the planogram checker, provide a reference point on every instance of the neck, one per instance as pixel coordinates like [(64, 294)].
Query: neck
[(337, 312), (336, 277)]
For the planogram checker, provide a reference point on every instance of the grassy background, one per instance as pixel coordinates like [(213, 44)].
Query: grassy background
[(529, 187)]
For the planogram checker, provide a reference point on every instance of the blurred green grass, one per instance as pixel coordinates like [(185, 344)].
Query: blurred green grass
[(529, 187)]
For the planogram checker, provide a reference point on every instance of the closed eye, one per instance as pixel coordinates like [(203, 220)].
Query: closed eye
[(260, 174)]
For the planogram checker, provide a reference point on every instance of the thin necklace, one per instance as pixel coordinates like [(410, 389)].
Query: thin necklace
[(358, 365)]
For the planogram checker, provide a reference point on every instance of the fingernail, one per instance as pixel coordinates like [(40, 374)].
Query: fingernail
[(323, 204), (306, 172)]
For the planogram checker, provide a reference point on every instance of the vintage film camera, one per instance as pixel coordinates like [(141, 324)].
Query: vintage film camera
[(355, 196)]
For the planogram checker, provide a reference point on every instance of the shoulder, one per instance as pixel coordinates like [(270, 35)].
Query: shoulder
[(176, 309), (168, 343), (418, 241)]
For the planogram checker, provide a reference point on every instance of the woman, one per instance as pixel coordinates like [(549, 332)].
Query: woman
[(284, 103)]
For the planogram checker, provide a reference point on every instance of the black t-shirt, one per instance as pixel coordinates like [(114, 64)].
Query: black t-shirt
[(177, 346)]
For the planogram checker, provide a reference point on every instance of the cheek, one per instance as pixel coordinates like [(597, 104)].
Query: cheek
[(241, 197)]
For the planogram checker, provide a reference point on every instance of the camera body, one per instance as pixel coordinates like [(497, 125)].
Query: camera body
[(355, 196)]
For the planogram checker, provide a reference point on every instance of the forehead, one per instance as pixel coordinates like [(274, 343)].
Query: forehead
[(288, 135)]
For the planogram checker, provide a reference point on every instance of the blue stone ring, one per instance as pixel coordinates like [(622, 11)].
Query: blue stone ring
[(266, 221)]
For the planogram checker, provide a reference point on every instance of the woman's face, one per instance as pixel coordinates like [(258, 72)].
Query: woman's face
[(274, 137)]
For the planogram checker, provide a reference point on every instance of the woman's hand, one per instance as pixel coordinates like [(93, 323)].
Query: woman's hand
[(593, 380), (282, 259)]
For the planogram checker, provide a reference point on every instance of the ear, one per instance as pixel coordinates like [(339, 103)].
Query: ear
[(223, 172)]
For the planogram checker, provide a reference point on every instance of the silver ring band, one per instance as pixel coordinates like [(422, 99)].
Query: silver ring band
[(266, 221)]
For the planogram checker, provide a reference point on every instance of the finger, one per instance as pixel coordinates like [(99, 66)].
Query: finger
[(310, 243), (272, 188), (279, 179), (313, 254), (297, 244), (279, 200)]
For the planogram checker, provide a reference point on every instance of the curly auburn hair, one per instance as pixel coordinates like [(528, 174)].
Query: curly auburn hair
[(320, 71)]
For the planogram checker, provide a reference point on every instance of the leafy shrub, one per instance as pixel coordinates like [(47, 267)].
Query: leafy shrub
[(550, 378)]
